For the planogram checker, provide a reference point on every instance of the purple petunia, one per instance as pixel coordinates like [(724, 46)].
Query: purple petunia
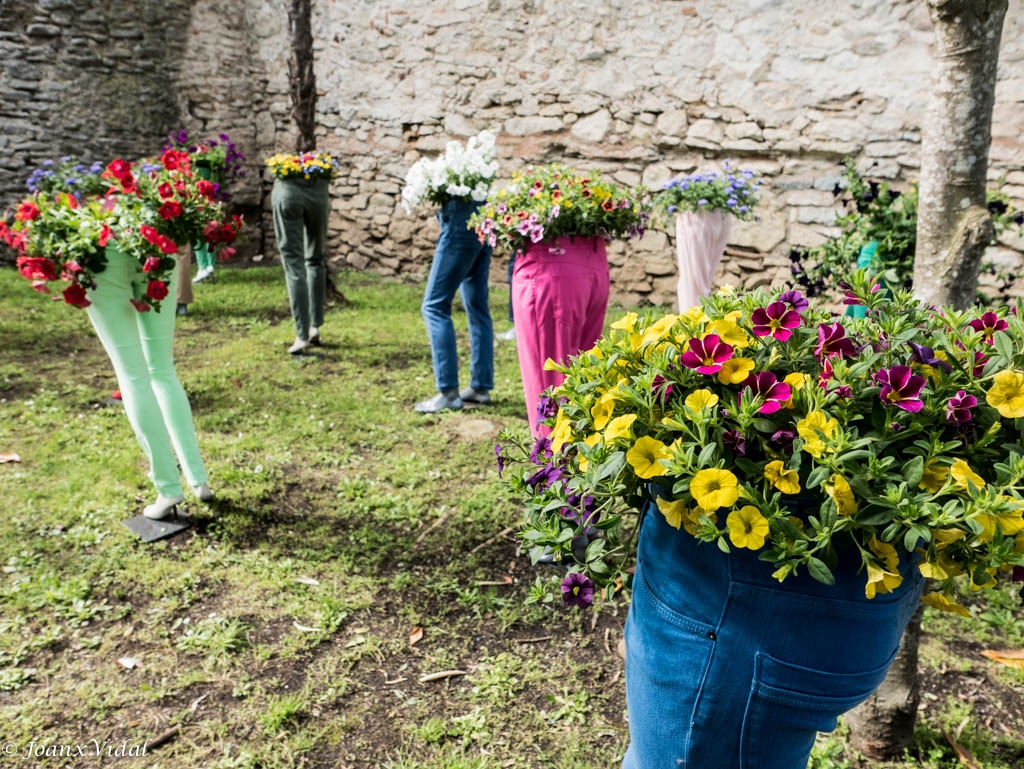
[(578, 590), (500, 458), (795, 300), (959, 407), (832, 340), (926, 357)]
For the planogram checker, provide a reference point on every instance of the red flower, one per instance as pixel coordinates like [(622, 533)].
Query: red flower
[(172, 209), (36, 268), (139, 306), (72, 268), (706, 355), (105, 234), (211, 233), (172, 160), (152, 264), (156, 290), (27, 212), (166, 191), (74, 295), (69, 200), (776, 320), (117, 169), (608, 205), (227, 233), (226, 253), (206, 188)]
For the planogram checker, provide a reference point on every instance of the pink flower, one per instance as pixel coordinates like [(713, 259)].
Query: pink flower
[(901, 387), (706, 355), (767, 387), (777, 320), (988, 324), (152, 264), (832, 340)]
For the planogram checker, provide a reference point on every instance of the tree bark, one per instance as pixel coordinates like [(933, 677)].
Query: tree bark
[(953, 223), (883, 726), (301, 77)]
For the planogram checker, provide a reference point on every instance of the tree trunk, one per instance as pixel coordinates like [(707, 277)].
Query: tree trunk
[(954, 228), (301, 77), (953, 223), (884, 725)]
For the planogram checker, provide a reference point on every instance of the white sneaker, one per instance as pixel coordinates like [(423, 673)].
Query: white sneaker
[(162, 507), (203, 274), (298, 346), (507, 336), (472, 395), (439, 402)]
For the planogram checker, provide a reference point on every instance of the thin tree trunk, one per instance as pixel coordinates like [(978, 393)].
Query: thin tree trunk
[(301, 77), (953, 223)]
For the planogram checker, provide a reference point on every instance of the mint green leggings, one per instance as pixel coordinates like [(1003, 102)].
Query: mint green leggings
[(140, 345)]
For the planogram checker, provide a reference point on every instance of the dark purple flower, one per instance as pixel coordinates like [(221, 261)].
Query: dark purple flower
[(795, 300), (926, 357), (541, 450), (901, 387), (843, 391), (578, 590), (776, 320), (1018, 573), (735, 440), (896, 427), (501, 459), (988, 324), (544, 477), (773, 392), (546, 408), (581, 510), (959, 407), (832, 340), (662, 387), (784, 440)]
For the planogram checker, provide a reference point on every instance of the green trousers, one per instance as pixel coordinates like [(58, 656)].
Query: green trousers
[(139, 344), (301, 209)]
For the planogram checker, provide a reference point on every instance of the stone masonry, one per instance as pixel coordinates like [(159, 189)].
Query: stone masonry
[(642, 89)]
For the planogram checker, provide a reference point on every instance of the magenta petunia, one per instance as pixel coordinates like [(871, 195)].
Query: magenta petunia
[(959, 407), (832, 340), (988, 324), (777, 320), (767, 387), (901, 387), (706, 355)]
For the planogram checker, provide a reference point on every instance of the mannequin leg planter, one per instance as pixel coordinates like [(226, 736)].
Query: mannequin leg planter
[(559, 299), (700, 243)]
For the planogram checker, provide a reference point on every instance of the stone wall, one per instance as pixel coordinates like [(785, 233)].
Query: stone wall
[(643, 89)]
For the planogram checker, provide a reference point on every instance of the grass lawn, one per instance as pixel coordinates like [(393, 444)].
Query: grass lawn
[(354, 597)]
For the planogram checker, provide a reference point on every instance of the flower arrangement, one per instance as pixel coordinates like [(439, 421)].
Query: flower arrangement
[(759, 422), (461, 173), (553, 201), (730, 192), (69, 176), (146, 210), (305, 165), (216, 159)]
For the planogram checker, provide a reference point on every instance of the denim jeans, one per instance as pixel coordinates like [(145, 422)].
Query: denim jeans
[(461, 263), (726, 668)]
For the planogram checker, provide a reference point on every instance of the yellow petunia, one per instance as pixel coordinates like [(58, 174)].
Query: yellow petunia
[(883, 577), (812, 429), (1007, 394), (943, 603), (841, 493), (962, 473), (701, 399), (796, 381), (658, 330), (561, 433), (747, 528), (645, 457), (602, 410), (934, 477), (620, 427), (729, 331), (591, 440), (714, 488), (786, 481), (673, 511), (627, 322), (735, 370), (695, 316)]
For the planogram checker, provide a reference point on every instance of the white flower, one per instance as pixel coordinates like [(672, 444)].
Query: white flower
[(462, 172)]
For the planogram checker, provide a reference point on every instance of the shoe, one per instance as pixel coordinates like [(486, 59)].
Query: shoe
[(298, 346), (439, 402), (472, 395), (314, 337), (182, 309), (203, 492), (507, 336), (203, 274), (162, 507)]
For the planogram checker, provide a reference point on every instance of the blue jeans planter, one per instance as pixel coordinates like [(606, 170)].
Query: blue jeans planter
[(461, 262), (727, 668)]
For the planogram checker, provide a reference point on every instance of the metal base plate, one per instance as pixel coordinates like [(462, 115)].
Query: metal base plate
[(149, 530)]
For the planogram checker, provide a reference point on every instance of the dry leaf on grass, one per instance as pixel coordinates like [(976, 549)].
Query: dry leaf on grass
[(965, 756), (1012, 658), (12, 457), (415, 635)]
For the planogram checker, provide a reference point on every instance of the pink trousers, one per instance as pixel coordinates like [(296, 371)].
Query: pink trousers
[(559, 299)]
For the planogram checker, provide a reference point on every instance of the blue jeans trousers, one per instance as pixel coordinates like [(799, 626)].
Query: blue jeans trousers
[(461, 263), (727, 668)]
